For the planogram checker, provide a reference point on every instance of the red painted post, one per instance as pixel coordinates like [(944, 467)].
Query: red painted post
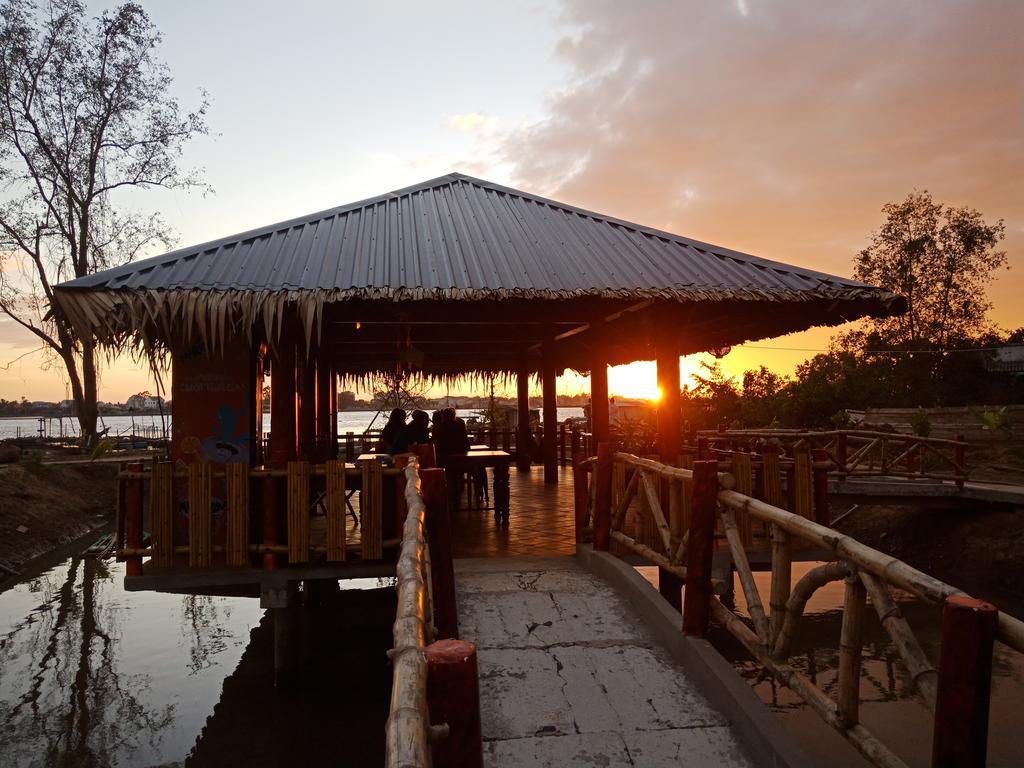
[(699, 552), (453, 697), (603, 498), (819, 474), (580, 494), (133, 521), (961, 461), (702, 448), (965, 683), (427, 455), (439, 536)]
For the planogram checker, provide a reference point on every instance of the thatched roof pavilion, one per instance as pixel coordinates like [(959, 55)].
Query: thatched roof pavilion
[(457, 276)]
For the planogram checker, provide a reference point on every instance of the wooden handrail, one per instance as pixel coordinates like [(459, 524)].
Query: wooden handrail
[(408, 725), (868, 574)]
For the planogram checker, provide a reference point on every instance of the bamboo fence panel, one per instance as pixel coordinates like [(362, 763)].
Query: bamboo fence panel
[(200, 522), (161, 490), (370, 508), (336, 533), (298, 512), (237, 492)]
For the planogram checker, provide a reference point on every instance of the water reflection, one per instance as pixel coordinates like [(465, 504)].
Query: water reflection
[(91, 675)]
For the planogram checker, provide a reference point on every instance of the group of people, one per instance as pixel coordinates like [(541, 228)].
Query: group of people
[(445, 430)]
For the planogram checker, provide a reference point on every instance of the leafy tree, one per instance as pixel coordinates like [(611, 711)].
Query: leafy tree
[(85, 112), (941, 259)]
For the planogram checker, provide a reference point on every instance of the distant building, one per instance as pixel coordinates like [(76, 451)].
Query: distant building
[(1006, 359), (145, 403)]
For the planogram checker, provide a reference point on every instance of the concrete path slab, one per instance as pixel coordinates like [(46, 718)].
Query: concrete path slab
[(570, 676)]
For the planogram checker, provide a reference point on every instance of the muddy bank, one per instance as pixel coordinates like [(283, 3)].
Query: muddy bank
[(978, 549), (43, 507)]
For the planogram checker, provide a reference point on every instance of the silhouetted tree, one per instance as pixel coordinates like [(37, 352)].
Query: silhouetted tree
[(85, 111)]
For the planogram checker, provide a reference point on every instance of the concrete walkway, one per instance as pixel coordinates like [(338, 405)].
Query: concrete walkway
[(571, 676)]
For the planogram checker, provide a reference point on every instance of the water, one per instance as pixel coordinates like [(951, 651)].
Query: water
[(348, 421), (889, 709), (91, 675)]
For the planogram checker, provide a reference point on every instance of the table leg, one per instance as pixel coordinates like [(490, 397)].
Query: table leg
[(501, 493)]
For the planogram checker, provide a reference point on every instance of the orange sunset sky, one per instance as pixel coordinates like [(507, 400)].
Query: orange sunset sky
[(775, 128)]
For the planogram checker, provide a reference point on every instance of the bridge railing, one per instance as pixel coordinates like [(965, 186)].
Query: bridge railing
[(408, 726), (670, 515), (858, 452)]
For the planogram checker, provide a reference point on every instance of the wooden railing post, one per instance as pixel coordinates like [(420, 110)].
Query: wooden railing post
[(580, 494), (697, 600), (965, 683), (961, 460), (453, 697), (269, 520), (850, 643), (133, 520), (439, 539), (819, 480), (603, 500)]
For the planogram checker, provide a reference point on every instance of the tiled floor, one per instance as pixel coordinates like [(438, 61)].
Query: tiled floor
[(540, 523)]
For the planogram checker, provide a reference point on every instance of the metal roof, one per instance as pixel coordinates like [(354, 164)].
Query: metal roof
[(465, 238)]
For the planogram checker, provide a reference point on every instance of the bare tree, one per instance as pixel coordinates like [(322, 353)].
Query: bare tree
[(85, 115)]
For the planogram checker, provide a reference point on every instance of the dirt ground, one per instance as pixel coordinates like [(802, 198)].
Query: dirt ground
[(53, 505)]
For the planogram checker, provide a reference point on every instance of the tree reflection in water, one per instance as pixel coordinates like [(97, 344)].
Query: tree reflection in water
[(76, 706), (205, 626)]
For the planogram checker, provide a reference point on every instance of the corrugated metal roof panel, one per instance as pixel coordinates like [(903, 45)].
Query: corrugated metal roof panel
[(467, 236)]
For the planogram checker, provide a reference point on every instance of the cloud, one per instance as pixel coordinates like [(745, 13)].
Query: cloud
[(471, 121), (781, 128)]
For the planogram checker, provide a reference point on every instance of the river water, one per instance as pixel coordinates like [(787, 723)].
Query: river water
[(348, 421), (91, 675)]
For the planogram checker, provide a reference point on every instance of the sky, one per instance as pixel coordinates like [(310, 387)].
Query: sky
[(778, 128)]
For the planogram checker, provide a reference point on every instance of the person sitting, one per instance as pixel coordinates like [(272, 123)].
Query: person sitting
[(450, 435), (396, 422), (416, 432)]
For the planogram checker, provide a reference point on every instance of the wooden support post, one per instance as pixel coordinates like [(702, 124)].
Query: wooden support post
[(561, 443), (523, 437), (133, 520), (283, 402), (599, 423), (965, 683), (307, 405), (580, 494), (850, 643), (670, 443), (324, 410), (333, 372), (453, 698), (549, 374), (603, 499), (819, 473), (697, 603), (439, 538)]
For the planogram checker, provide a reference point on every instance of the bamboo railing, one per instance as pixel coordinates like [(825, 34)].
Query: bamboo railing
[(153, 491), (408, 731), (624, 497), (861, 453)]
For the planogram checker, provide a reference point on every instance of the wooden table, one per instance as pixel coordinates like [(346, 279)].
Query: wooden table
[(499, 461)]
